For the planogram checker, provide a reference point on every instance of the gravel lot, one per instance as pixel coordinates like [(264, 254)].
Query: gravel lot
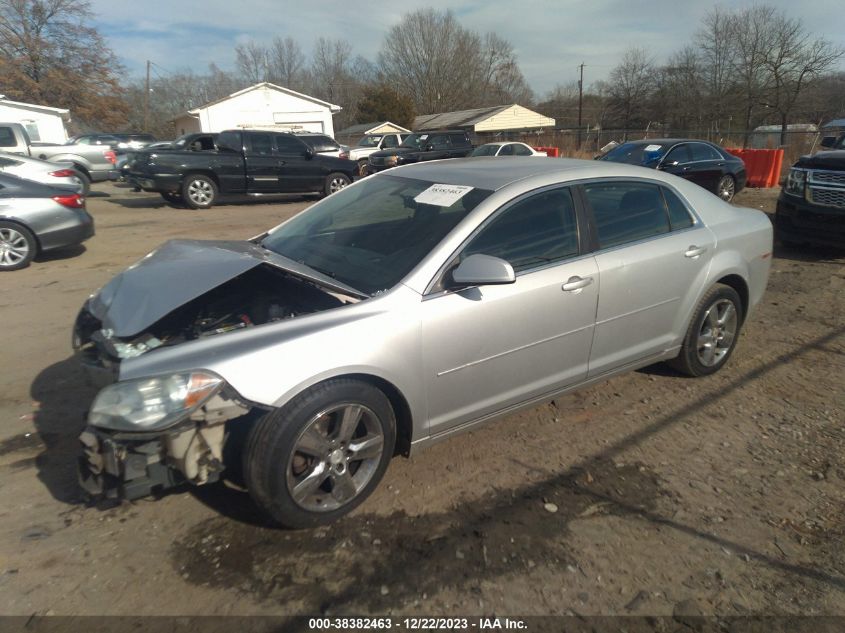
[(648, 494)]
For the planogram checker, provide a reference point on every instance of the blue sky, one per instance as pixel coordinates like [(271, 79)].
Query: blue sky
[(551, 37)]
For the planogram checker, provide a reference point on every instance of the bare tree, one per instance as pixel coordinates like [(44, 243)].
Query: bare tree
[(716, 51), (631, 85), (680, 90), (251, 60), (792, 58), (444, 66), (286, 64), (50, 55)]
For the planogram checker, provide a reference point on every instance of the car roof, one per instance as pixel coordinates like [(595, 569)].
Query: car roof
[(666, 141), (494, 173), (505, 143)]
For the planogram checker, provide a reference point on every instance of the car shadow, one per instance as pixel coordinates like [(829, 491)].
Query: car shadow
[(63, 396), (66, 252), (142, 201)]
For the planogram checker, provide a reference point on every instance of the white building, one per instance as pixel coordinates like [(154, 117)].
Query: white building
[(44, 124), (263, 105)]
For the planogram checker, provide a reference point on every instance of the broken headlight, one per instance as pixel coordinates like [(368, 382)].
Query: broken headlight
[(795, 182), (151, 404)]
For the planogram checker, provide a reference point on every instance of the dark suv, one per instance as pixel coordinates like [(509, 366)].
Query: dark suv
[(421, 146), (811, 206)]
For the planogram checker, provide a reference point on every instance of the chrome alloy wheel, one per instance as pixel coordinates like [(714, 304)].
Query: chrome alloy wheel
[(14, 247), (717, 333), (337, 183), (334, 457), (727, 188), (200, 192)]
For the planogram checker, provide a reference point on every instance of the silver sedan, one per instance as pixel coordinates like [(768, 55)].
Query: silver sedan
[(406, 308), (45, 172), (35, 218)]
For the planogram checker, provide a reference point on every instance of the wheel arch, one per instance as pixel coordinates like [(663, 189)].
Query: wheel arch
[(741, 287), (398, 401), (202, 172), (24, 225)]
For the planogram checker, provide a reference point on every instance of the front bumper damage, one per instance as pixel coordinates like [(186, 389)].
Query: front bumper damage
[(118, 465)]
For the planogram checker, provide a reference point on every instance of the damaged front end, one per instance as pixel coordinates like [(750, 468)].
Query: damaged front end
[(185, 441), (152, 433)]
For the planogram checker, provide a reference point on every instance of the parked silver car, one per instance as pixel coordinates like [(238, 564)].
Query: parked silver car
[(35, 218), (399, 311), (45, 172)]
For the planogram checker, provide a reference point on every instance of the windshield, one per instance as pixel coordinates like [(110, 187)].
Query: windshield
[(485, 150), (371, 140), (636, 153), (182, 140), (373, 234), (414, 141)]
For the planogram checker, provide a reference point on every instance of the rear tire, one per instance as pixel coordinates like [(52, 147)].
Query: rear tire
[(199, 192), (84, 182), (713, 333), (726, 189), (322, 454), (18, 246), (335, 182), (362, 168)]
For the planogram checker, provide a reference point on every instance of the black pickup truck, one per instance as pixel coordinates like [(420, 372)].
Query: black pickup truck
[(421, 146), (811, 206), (245, 162)]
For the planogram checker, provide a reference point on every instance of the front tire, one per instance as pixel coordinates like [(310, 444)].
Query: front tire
[(199, 192), (712, 334), (321, 455), (335, 182), (726, 189), (18, 246)]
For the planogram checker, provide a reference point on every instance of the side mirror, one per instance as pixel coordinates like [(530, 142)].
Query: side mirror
[(429, 147), (482, 270), (308, 153), (828, 141)]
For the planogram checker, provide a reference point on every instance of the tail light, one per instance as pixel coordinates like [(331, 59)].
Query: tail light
[(71, 201), (110, 156), (63, 173)]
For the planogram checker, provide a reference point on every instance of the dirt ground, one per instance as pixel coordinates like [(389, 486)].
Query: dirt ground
[(723, 495)]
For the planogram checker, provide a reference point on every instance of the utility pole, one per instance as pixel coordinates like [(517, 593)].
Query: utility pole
[(147, 100), (580, 102)]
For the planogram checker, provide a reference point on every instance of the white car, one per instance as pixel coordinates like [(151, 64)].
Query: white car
[(45, 172), (506, 149)]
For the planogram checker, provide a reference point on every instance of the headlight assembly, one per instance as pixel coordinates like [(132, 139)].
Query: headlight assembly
[(391, 161), (152, 404), (795, 182)]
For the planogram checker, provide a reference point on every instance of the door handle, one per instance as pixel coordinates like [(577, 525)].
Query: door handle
[(576, 283), (694, 251)]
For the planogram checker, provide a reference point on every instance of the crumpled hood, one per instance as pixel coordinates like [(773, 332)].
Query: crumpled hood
[(179, 271), (823, 160)]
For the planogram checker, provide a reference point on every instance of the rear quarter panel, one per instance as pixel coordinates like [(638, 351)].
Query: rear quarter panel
[(743, 242)]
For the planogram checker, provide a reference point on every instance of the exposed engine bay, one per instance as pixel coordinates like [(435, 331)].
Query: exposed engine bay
[(261, 295)]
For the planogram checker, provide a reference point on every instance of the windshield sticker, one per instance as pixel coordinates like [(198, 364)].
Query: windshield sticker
[(442, 195), (652, 148), (423, 137)]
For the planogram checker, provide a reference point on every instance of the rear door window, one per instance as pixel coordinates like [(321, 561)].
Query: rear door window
[(288, 145), (521, 150), (261, 144), (679, 216), (700, 151), (7, 137), (626, 212)]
